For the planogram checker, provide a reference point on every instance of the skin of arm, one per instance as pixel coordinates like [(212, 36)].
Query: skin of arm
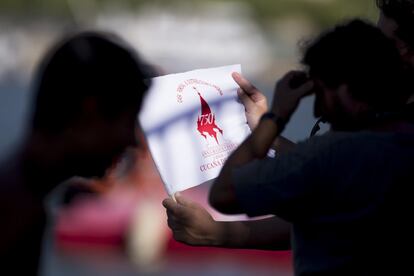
[(283, 145)]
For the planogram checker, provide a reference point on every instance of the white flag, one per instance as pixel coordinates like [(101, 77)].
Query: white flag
[(193, 121)]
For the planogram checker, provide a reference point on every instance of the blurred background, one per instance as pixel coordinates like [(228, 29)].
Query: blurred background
[(105, 234)]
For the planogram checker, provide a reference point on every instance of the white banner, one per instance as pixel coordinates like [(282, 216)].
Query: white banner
[(193, 121)]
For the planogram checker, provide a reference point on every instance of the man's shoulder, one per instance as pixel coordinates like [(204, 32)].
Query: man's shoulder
[(329, 140), (331, 137), (351, 138), (352, 142)]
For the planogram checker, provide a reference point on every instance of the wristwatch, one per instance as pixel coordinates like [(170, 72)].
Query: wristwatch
[(279, 121)]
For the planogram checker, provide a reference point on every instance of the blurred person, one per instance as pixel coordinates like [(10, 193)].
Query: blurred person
[(89, 89), (339, 190), (395, 21), (120, 212)]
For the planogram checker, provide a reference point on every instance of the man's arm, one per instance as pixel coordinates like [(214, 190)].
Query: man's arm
[(193, 225), (286, 99), (283, 145)]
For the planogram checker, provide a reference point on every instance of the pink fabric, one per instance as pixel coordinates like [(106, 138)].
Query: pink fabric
[(97, 220)]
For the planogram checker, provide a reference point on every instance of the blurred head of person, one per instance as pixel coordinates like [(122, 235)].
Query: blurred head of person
[(89, 89), (396, 20), (358, 75)]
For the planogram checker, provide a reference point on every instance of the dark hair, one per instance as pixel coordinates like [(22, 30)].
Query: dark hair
[(88, 64), (359, 55), (402, 12)]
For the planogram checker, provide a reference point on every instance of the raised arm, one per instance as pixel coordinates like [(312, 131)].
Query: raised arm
[(286, 99)]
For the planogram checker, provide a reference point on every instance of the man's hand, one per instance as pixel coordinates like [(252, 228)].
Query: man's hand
[(287, 96), (253, 100), (191, 223)]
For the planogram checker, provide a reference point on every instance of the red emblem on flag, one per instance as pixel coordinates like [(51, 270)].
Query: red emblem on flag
[(206, 122)]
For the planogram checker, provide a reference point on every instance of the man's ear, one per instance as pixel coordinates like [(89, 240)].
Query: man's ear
[(348, 101), (344, 95), (406, 52)]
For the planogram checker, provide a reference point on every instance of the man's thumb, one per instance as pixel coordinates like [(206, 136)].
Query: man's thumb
[(183, 201)]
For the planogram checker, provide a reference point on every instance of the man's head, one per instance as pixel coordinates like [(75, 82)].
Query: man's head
[(358, 72), (396, 21), (89, 90)]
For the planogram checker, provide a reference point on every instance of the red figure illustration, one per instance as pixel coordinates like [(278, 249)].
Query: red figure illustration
[(206, 123)]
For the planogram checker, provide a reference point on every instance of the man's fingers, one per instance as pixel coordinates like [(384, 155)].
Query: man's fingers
[(245, 99), (172, 207), (244, 84), (287, 78), (295, 78), (174, 224), (245, 91), (305, 89), (178, 209), (294, 73), (170, 214), (171, 223), (168, 203), (302, 89)]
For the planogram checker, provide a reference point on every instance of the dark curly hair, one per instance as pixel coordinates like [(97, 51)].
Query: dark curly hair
[(359, 55)]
